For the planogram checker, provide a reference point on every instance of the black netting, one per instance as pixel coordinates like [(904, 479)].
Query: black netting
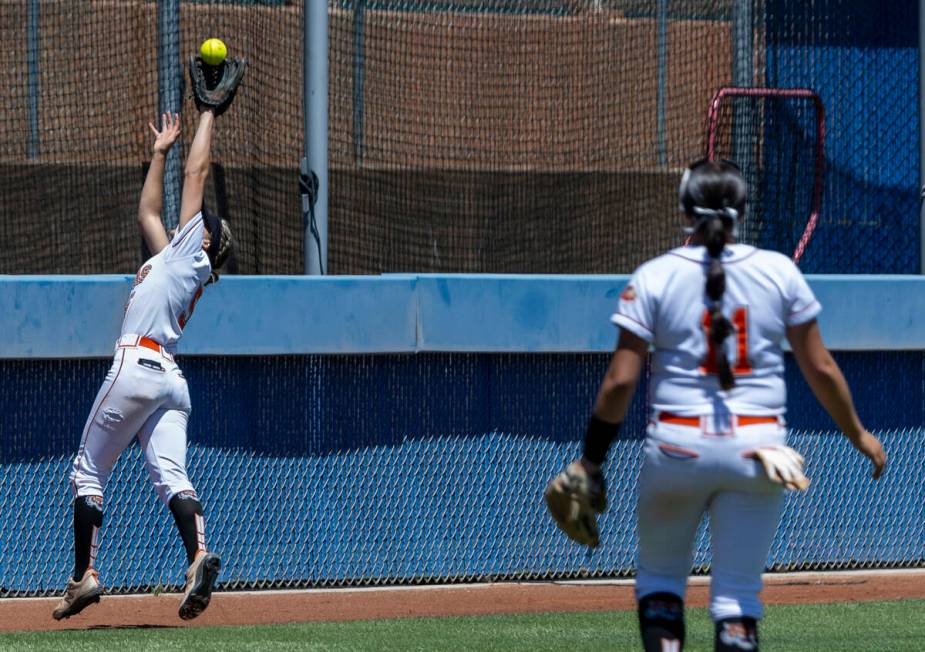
[(549, 136), (774, 137), (515, 136), (863, 62), (79, 85), (468, 136)]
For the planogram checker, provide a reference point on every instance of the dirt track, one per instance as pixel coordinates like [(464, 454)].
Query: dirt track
[(34, 614)]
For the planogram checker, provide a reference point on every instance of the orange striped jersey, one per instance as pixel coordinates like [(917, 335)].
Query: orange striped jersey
[(167, 287), (665, 303)]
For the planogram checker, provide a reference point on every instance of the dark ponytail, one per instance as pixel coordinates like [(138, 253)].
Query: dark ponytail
[(714, 237), (713, 196)]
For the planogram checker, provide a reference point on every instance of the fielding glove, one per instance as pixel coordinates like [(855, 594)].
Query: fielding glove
[(574, 499), (783, 465), (214, 87)]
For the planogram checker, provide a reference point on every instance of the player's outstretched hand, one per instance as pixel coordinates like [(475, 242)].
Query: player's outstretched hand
[(871, 447), (167, 136)]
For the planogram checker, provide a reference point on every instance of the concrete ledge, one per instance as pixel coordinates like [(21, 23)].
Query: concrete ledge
[(80, 316)]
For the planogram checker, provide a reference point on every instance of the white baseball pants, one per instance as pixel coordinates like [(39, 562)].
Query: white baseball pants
[(689, 471), (144, 394)]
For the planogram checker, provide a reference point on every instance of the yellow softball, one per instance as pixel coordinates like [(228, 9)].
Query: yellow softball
[(213, 51)]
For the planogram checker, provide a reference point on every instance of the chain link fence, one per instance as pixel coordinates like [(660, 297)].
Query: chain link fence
[(373, 517), (366, 470)]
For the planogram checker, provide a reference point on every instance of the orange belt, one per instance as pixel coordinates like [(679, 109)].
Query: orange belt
[(694, 422), (148, 343)]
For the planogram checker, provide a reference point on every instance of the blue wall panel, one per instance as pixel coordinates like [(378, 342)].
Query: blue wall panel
[(79, 317), (862, 59), (517, 313)]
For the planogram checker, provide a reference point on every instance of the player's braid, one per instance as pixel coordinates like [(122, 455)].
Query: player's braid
[(713, 193), (714, 238)]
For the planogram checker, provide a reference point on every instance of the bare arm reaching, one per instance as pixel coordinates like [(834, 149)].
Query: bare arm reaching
[(152, 193), (197, 169), (830, 388)]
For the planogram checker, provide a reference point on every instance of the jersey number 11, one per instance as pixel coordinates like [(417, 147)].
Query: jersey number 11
[(740, 365)]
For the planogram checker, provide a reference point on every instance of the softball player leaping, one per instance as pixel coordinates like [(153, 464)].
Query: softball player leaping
[(716, 314), (145, 393)]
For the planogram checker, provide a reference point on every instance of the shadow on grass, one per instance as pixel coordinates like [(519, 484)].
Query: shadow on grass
[(114, 627)]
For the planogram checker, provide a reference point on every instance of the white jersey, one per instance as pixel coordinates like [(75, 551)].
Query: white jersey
[(167, 287), (665, 304)]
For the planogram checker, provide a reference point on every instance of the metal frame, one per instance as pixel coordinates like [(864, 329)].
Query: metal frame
[(800, 93), (661, 21)]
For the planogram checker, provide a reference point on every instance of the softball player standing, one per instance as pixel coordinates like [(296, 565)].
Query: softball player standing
[(145, 393), (715, 313)]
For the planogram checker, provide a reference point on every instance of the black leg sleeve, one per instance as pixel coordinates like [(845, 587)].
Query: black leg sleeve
[(661, 622), (88, 519), (187, 512)]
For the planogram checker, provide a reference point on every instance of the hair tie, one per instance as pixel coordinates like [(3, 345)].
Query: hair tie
[(706, 213)]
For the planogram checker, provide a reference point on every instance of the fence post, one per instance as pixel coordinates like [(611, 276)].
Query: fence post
[(314, 169), (169, 98), (922, 134), (661, 27), (743, 75), (359, 79), (743, 43), (32, 52)]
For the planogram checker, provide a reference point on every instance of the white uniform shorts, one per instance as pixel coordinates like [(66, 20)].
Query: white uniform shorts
[(701, 467), (144, 395)]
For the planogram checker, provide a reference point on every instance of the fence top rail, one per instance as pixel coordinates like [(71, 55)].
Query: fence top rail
[(80, 316)]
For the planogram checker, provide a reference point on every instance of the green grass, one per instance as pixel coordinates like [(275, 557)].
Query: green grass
[(854, 627)]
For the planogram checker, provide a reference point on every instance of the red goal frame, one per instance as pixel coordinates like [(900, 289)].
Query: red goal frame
[(713, 114)]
